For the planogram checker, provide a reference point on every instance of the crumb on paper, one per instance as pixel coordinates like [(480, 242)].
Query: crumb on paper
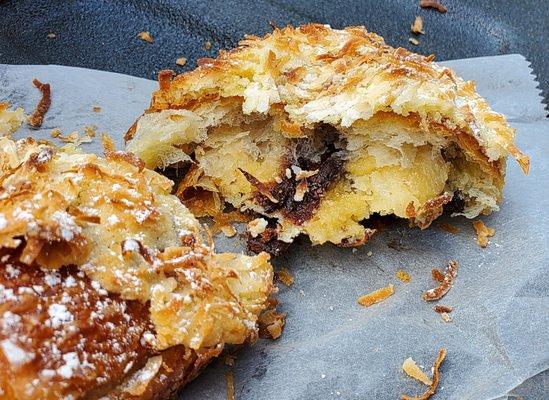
[(445, 317), (208, 45), (37, 117), (433, 4), (439, 308), (376, 296), (437, 275), (228, 230), (483, 233), (369, 253), (414, 41), (403, 275), (449, 227), (181, 61), (96, 109), (145, 36), (411, 368), (51, 35), (285, 277), (55, 133), (230, 385), (436, 377), (449, 276), (271, 323), (417, 26), (90, 131)]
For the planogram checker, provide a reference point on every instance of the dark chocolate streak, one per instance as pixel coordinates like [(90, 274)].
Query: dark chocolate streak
[(279, 197), (330, 168)]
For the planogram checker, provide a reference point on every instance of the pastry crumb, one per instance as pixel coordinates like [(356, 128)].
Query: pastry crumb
[(411, 368), (376, 296), (271, 324), (145, 36), (403, 276), (439, 308), (433, 4), (96, 109), (51, 35), (37, 117), (417, 26), (228, 230), (208, 45), (181, 61), (434, 382), (483, 233), (449, 276), (445, 317), (285, 277), (414, 41)]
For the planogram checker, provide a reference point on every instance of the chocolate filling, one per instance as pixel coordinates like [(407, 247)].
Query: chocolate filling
[(280, 197)]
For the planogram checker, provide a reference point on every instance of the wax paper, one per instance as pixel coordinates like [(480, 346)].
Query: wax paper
[(332, 347)]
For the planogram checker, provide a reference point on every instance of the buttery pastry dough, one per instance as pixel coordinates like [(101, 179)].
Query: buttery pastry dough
[(317, 129), (107, 287)]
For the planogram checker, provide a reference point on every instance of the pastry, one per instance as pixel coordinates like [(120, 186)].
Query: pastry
[(315, 130), (108, 288)]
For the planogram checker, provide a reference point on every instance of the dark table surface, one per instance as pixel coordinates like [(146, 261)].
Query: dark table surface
[(102, 34)]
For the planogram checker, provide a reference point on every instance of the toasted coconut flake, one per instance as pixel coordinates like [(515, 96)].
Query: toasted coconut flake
[(301, 189), (230, 385), (411, 368), (96, 109), (208, 45), (303, 174), (181, 61), (449, 227), (257, 226), (439, 308), (37, 117), (376, 296), (414, 41), (271, 324), (223, 220), (403, 276), (436, 377), (285, 277), (445, 285), (437, 275), (483, 233), (433, 4), (522, 159), (145, 36), (417, 26)]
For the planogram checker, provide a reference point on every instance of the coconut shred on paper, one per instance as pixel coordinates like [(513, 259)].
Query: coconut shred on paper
[(498, 337)]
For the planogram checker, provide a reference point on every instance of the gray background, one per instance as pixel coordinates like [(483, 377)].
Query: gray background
[(101, 34)]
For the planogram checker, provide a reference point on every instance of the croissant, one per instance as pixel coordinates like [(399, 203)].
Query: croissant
[(315, 130)]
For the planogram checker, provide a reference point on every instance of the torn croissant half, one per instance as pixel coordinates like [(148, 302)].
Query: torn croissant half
[(107, 287), (317, 129)]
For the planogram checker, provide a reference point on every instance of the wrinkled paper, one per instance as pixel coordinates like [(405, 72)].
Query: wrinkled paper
[(332, 347)]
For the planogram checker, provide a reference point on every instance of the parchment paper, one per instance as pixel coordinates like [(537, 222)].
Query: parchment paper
[(333, 348)]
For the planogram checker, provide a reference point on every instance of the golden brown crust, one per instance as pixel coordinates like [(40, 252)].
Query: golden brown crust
[(105, 274), (66, 337)]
